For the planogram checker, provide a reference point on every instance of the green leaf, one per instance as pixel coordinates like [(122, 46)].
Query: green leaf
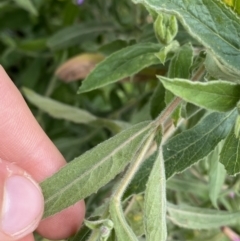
[(155, 202), (123, 230), (134, 214), (230, 156), (213, 95), (217, 175), (188, 147), (200, 218), (157, 103), (27, 5), (164, 52), (138, 184), (210, 22), (179, 68), (121, 64), (218, 70), (76, 34), (181, 62), (60, 110), (92, 170)]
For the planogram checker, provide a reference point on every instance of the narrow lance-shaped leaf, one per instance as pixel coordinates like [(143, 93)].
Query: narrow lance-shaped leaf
[(27, 5), (60, 110), (188, 147), (179, 68), (92, 170), (201, 218), (210, 22), (155, 202), (138, 184), (213, 95), (217, 175), (230, 154), (76, 34), (122, 228), (121, 64)]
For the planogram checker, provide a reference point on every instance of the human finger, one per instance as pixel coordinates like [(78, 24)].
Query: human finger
[(25, 143)]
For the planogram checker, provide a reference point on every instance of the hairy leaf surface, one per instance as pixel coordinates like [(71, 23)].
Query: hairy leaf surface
[(92, 170), (230, 154), (188, 147), (210, 22), (155, 202), (121, 64), (213, 95), (217, 175), (200, 218)]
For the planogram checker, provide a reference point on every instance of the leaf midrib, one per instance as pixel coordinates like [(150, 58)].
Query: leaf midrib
[(97, 165)]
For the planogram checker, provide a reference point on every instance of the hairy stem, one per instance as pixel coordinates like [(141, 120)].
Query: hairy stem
[(132, 169)]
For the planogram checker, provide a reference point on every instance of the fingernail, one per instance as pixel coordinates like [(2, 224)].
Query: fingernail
[(22, 206)]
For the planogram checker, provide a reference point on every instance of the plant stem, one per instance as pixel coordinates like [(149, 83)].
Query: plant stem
[(230, 234), (132, 169), (177, 100)]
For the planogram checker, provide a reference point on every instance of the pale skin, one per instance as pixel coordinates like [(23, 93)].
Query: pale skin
[(26, 153)]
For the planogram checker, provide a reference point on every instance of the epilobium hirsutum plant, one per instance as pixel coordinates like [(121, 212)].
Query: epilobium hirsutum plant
[(172, 85)]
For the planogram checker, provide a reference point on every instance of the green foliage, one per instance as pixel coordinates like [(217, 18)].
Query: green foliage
[(190, 146), (214, 95), (124, 63), (201, 218), (87, 173), (155, 202), (169, 70)]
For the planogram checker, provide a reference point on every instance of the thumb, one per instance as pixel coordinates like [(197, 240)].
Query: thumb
[(21, 202)]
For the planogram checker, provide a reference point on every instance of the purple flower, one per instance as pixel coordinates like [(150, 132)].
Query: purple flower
[(79, 2)]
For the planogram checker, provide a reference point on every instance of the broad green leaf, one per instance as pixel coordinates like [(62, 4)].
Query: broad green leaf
[(27, 5), (60, 110), (201, 218), (230, 156), (121, 64), (190, 146), (210, 22), (92, 170), (76, 34), (155, 202), (218, 70), (217, 175), (213, 95)]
